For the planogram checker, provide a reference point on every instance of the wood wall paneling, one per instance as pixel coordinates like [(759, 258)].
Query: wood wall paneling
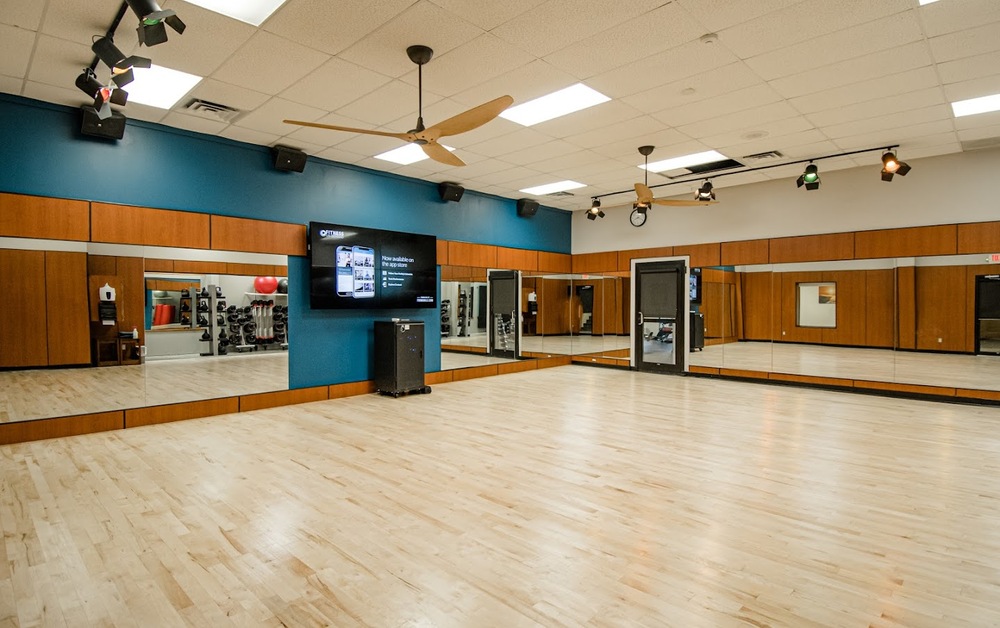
[(910, 389), (701, 255), (813, 248), (474, 372), (67, 308), (516, 367), (910, 242), (23, 327), (252, 270), (132, 297), (60, 427), (517, 259), (438, 377), (979, 237), (159, 265), (350, 389), (852, 309), (469, 254), (553, 307), (745, 252), (102, 265), (257, 236), (595, 262), (625, 257), (554, 262), (442, 252), (970, 301), (151, 227), (880, 301), (200, 268), (790, 330), (809, 379), (44, 218), (758, 302), (277, 398), (154, 415), (906, 312), (941, 308)]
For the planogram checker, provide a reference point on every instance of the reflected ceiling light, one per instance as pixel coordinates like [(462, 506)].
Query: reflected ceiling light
[(809, 178), (684, 161), (160, 87), (595, 210), (563, 102), (152, 19), (892, 166), (705, 192), (121, 66), (973, 106), (102, 94), (406, 154), (252, 12), (552, 188)]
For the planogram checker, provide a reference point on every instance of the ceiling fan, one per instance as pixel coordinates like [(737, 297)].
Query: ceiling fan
[(427, 137), (644, 195)]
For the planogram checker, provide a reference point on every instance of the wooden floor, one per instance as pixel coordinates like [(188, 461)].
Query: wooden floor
[(562, 497)]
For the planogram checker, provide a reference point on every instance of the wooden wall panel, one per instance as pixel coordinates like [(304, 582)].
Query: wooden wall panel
[(158, 265), (442, 252), (468, 254), (132, 296), (517, 259), (814, 248), (152, 227), (251, 270), (67, 308), (553, 307), (701, 255), (44, 218), (257, 236), (941, 310), (745, 252), (852, 318), (474, 372), (277, 398), (790, 330), (880, 301), (60, 427), (554, 262), (102, 265), (625, 257), (906, 312), (758, 301), (438, 377), (911, 242), (200, 268), (979, 237), (595, 262), (155, 415), (350, 389), (23, 335), (516, 367)]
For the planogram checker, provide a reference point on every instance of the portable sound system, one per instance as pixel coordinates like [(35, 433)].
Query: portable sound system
[(526, 207), (450, 191), (112, 128), (288, 159)]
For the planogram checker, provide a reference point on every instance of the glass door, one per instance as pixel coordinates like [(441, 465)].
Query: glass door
[(659, 318), (503, 320), (988, 314)]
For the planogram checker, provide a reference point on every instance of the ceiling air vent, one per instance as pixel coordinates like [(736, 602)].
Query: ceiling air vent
[(560, 194), (770, 155), (208, 109), (701, 169)]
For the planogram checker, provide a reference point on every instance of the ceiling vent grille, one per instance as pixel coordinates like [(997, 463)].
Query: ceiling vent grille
[(987, 142), (560, 194), (770, 155), (701, 169), (208, 109)]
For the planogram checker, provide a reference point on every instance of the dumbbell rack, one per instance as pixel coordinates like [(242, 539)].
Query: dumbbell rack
[(270, 331), (217, 341)]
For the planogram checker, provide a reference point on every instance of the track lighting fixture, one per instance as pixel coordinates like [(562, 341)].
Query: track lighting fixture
[(121, 66), (103, 95), (640, 207), (705, 192), (809, 178), (892, 166), (152, 19), (595, 211)]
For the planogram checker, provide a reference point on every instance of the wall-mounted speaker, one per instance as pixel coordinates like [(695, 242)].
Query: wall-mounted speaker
[(450, 191), (112, 128), (288, 159), (526, 207)]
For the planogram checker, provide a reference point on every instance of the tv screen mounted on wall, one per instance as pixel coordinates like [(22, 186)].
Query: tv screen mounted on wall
[(359, 268)]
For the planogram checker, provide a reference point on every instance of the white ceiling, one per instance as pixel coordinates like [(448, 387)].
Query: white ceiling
[(802, 77)]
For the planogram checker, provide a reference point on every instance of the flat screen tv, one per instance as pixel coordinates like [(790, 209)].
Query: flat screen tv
[(359, 268), (694, 287)]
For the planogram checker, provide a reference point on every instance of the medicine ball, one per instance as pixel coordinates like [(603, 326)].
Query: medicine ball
[(283, 285)]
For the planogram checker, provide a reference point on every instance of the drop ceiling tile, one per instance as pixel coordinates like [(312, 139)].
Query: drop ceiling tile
[(482, 166), (577, 20), (936, 151), (544, 155), (804, 22), (369, 145), (740, 100), (268, 117), (26, 14), (589, 120), (875, 89), (973, 88), (969, 68), (249, 136), (193, 123), (734, 180), (58, 62), (11, 85), (340, 155), (977, 121), (325, 137), (61, 95), (484, 58), (967, 43), (740, 149), (390, 102), (332, 25), (491, 130), (726, 79), (745, 120), (636, 127), (879, 107), (775, 129), (693, 59), (718, 15), (857, 70), (865, 39), (980, 133), (949, 17), (15, 50), (807, 150), (662, 28), (268, 63), (886, 137), (518, 140), (230, 95), (144, 112), (526, 177), (384, 50), (908, 150), (79, 21), (486, 15), (334, 84), (206, 44), (667, 142), (906, 117), (525, 83)]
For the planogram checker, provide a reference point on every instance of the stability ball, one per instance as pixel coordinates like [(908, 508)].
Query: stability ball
[(265, 285)]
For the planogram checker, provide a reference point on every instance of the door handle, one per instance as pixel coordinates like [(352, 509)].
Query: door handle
[(640, 319)]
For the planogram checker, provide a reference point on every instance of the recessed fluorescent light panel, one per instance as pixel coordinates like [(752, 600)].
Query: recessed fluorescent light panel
[(685, 161), (923, 2), (552, 188), (249, 11), (406, 155), (565, 101), (973, 106), (159, 86)]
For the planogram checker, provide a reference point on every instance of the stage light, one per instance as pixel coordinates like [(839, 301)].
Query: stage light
[(705, 192), (595, 210), (892, 166), (809, 178), (121, 66), (640, 207), (103, 95), (152, 18)]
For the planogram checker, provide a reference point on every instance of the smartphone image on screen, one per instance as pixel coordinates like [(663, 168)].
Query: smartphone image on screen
[(363, 260), (345, 272)]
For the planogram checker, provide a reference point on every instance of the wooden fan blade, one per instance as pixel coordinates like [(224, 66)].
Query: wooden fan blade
[(644, 193), (406, 137), (471, 119), (682, 203), (439, 153)]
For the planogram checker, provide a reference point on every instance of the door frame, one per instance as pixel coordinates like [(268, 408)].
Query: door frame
[(516, 321), (684, 307), (975, 310)]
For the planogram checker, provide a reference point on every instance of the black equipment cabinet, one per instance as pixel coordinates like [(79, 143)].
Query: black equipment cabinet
[(697, 331), (399, 358)]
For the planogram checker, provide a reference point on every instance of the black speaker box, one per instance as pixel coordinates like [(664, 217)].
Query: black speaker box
[(450, 191), (112, 128), (288, 159), (526, 207)]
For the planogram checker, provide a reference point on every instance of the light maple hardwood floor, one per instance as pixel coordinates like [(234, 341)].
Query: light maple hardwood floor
[(562, 497)]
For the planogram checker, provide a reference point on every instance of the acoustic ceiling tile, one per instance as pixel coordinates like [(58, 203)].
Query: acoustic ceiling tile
[(634, 127), (942, 18), (878, 107), (268, 117), (973, 88), (78, 21), (905, 117), (969, 68), (899, 135), (16, 45), (520, 174), (866, 91), (386, 104), (209, 40), (68, 95), (230, 95), (486, 15), (724, 80), (978, 121), (269, 63), (748, 119), (25, 14), (775, 130), (990, 131), (324, 137), (518, 140), (241, 134), (338, 154), (332, 25), (197, 124), (334, 84), (58, 62), (740, 100), (525, 83), (968, 43), (11, 85), (484, 58), (589, 120), (718, 15)]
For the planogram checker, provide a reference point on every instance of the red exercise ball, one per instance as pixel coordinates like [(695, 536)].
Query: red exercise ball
[(265, 285)]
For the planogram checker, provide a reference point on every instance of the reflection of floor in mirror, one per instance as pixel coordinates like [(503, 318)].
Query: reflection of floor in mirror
[(556, 345), (882, 365), (478, 340), (450, 360), (554, 497), (35, 394), (656, 352)]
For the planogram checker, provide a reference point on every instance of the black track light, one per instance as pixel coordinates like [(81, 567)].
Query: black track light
[(121, 66), (809, 178), (152, 20), (103, 95), (595, 211), (705, 192), (640, 207), (892, 166)]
